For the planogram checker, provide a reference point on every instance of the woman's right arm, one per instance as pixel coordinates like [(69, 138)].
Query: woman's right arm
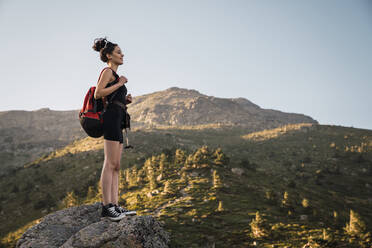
[(101, 91)]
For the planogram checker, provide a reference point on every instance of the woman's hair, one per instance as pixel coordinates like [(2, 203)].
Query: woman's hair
[(104, 47)]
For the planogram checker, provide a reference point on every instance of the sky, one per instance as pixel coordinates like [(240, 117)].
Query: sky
[(309, 57)]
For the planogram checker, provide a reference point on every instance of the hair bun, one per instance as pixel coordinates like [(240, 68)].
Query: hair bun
[(104, 47), (99, 43)]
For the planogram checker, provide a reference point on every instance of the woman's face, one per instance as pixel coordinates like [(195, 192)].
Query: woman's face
[(117, 56)]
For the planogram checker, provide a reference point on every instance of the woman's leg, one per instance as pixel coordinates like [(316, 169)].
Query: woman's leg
[(110, 163), (115, 178)]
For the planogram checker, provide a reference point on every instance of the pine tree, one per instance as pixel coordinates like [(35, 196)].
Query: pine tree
[(356, 229), (169, 187), (326, 235), (202, 156), (286, 200), (259, 226), (270, 196), (91, 194), (305, 203), (288, 203), (189, 162), (184, 177), (163, 165), (217, 182), (335, 214), (198, 157), (99, 190), (220, 207), (141, 176), (70, 200), (205, 150), (220, 158), (154, 161), (123, 184), (133, 176), (138, 199), (179, 157), (355, 225), (152, 182), (127, 176), (151, 175)]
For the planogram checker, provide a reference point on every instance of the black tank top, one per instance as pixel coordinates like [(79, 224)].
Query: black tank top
[(121, 92)]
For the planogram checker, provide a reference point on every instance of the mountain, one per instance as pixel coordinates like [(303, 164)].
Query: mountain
[(297, 185), (178, 106), (27, 135)]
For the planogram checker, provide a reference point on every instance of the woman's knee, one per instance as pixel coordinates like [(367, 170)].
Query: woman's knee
[(112, 151), (117, 167), (114, 165)]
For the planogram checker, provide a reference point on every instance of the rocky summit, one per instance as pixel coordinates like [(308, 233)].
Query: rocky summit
[(83, 226)]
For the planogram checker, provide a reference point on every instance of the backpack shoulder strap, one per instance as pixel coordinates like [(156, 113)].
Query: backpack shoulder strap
[(104, 100)]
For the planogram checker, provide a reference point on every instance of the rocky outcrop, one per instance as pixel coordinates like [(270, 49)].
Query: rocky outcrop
[(179, 106), (83, 226)]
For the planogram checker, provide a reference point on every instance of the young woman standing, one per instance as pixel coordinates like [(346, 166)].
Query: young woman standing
[(112, 88)]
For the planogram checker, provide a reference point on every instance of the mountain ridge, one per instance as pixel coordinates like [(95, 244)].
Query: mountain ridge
[(27, 135)]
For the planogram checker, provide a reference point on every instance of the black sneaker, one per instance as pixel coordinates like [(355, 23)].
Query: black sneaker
[(110, 212), (124, 210)]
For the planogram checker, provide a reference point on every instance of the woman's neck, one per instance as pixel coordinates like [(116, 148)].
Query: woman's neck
[(113, 67)]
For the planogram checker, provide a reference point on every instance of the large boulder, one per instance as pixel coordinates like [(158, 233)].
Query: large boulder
[(83, 226)]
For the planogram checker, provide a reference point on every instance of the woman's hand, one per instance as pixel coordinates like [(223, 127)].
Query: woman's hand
[(122, 81), (128, 99)]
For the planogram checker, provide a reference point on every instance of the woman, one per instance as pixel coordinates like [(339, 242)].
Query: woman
[(112, 87)]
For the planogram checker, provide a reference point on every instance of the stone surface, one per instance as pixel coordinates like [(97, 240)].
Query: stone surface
[(237, 171), (83, 226)]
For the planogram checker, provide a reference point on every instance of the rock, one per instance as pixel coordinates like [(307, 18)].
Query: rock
[(159, 177), (237, 171), (82, 226), (194, 174), (303, 217)]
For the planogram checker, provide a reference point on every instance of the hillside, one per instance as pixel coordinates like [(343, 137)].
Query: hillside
[(222, 186), (27, 135)]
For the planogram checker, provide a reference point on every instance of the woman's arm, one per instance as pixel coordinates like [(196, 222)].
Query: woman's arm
[(101, 91), (128, 99)]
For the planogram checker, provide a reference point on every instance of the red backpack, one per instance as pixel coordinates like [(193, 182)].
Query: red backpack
[(91, 114)]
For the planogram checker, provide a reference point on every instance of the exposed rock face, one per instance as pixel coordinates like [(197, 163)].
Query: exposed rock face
[(179, 106), (82, 226)]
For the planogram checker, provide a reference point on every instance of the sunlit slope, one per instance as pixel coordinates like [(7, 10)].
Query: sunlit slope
[(287, 186)]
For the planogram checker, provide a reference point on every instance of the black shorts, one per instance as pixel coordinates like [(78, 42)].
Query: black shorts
[(112, 123)]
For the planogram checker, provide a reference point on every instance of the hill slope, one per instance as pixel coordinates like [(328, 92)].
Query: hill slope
[(288, 186), (27, 135)]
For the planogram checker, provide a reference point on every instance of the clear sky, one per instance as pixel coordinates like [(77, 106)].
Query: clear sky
[(310, 57)]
